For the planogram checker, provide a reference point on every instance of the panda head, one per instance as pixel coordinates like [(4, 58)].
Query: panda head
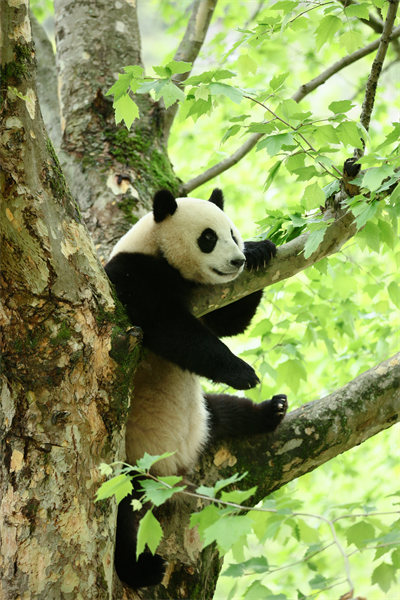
[(195, 237), (198, 238)]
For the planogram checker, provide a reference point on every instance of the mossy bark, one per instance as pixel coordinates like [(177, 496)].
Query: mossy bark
[(112, 171), (60, 389), (68, 357)]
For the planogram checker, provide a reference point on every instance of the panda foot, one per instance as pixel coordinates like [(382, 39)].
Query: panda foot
[(146, 571), (274, 410)]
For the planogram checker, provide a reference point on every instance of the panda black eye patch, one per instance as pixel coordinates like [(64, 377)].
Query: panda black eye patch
[(207, 240)]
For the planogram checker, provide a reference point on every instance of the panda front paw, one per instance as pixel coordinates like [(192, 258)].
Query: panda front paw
[(259, 254), (242, 376), (273, 411)]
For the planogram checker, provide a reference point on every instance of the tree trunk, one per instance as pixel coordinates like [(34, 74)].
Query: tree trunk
[(115, 172), (64, 395)]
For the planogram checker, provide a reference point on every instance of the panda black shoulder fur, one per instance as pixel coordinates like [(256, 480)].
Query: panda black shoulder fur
[(154, 267)]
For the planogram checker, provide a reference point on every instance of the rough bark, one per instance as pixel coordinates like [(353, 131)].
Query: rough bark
[(63, 394), (114, 172)]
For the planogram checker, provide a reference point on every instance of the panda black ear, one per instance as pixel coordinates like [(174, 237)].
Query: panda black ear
[(217, 198), (164, 204)]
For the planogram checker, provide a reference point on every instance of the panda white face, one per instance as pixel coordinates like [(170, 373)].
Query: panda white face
[(201, 242), (194, 236)]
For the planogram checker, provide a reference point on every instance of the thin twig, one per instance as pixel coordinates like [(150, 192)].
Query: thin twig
[(376, 69), (296, 131), (189, 48), (301, 93)]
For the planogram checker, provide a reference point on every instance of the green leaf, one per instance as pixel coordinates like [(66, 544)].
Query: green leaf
[(277, 81), (392, 137), (158, 493), (314, 240), (119, 486), (318, 582), (201, 92), (386, 233), (360, 533), (179, 66), (170, 93), (246, 64), (238, 496), (226, 531), (352, 40), (373, 178), (257, 564), (272, 174), (274, 143), (364, 212), (162, 71), (326, 30), (313, 197), (384, 575), (394, 293), (223, 89), (135, 71), (205, 518), (257, 591), (349, 134), (121, 86), (357, 10), (341, 106), (231, 131), (149, 532), (126, 110), (147, 460), (290, 373), (395, 195)]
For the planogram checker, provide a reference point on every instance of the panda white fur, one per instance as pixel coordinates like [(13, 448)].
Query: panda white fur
[(154, 267)]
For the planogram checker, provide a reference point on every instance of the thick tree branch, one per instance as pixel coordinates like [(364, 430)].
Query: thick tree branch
[(190, 46), (318, 431), (376, 69), (289, 261), (307, 438), (301, 93)]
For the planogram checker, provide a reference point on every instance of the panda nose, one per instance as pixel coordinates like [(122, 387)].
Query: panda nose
[(238, 262)]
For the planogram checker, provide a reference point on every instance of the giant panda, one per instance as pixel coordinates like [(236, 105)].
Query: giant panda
[(181, 244)]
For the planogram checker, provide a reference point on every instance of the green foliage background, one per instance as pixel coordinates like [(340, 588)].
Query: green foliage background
[(320, 329)]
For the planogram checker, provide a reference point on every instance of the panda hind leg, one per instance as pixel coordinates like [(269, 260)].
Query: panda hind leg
[(236, 416), (147, 570)]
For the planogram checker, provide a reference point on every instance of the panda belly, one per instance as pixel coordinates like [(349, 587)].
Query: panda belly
[(168, 414)]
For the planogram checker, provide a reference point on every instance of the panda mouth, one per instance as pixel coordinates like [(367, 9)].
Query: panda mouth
[(221, 274)]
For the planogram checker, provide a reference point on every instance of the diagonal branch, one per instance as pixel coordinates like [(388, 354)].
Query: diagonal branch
[(320, 430), (289, 261), (190, 46), (307, 437), (303, 91), (370, 90)]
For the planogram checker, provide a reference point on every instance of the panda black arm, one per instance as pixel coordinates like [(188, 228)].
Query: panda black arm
[(233, 318), (155, 296), (184, 340), (236, 317)]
